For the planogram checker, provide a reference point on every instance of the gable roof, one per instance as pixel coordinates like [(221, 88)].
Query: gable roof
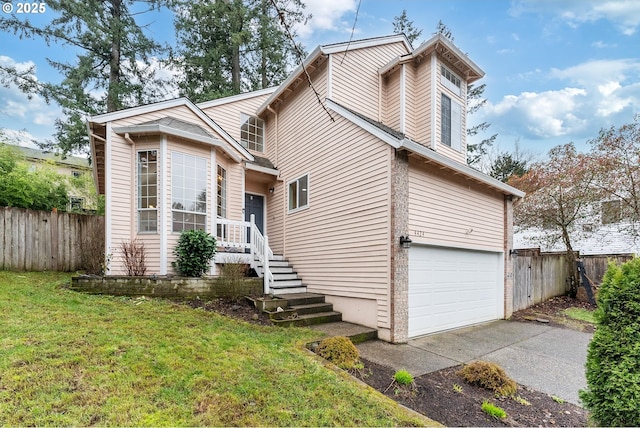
[(445, 48), (319, 55), (70, 161), (176, 102), (400, 141)]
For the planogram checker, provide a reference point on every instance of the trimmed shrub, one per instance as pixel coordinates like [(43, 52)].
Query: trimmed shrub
[(340, 351), (194, 251), (490, 376), (613, 359)]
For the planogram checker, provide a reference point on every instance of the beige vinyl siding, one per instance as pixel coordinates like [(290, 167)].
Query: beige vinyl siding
[(421, 107), (447, 210), (228, 115), (460, 156), (355, 76), (410, 100), (391, 100), (340, 245), (122, 216)]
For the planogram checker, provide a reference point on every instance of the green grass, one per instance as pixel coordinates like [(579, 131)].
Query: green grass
[(72, 359), (493, 410), (580, 314)]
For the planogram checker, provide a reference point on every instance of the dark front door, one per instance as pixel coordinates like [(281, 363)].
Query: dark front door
[(254, 204)]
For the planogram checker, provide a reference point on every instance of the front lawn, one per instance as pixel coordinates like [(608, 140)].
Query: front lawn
[(72, 359)]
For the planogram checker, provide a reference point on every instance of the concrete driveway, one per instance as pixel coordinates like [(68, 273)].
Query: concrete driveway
[(548, 359)]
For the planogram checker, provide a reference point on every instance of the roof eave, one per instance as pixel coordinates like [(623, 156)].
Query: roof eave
[(262, 169), (179, 133)]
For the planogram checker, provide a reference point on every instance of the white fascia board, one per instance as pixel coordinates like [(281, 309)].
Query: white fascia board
[(458, 167), (262, 169), (166, 130), (367, 43), (372, 129), (234, 98), (134, 111), (328, 50), (294, 75), (177, 102), (439, 38)]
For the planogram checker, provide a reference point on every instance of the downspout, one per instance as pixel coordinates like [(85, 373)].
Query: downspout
[(330, 77), (108, 193), (162, 204), (403, 104), (128, 139)]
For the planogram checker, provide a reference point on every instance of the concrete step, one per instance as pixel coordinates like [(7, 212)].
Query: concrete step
[(357, 333), (295, 299), (310, 319), (311, 308), (281, 291)]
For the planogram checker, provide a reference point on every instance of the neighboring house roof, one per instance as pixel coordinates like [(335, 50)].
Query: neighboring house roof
[(319, 55), (447, 50), (399, 141), (71, 161)]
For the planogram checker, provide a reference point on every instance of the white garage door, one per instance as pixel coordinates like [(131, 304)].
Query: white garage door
[(450, 287)]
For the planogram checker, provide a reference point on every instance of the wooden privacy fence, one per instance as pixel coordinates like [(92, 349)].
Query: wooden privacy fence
[(42, 240), (541, 276)]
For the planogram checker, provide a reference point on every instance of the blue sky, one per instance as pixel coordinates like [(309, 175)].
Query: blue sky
[(556, 71)]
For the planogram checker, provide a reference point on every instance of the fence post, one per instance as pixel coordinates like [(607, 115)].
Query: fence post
[(252, 220), (267, 272)]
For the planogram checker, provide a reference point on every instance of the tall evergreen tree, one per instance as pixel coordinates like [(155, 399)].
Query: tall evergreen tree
[(111, 70), (230, 46), (402, 25)]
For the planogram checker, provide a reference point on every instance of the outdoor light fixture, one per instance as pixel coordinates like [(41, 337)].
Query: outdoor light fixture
[(272, 189), (405, 241)]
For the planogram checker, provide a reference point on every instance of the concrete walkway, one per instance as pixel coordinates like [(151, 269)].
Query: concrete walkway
[(548, 359)]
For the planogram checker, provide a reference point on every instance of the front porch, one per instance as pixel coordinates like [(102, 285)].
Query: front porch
[(242, 242)]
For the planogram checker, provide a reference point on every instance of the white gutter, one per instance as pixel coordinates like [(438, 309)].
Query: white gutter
[(262, 169)]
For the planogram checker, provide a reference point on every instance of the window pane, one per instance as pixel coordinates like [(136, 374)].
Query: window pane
[(251, 132), (303, 191), (293, 195), (188, 191), (445, 112), (147, 167)]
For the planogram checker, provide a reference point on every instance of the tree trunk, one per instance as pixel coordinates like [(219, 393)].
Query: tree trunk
[(570, 255), (114, 62)]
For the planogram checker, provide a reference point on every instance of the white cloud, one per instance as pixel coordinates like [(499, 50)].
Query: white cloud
[(18, 111), (599, 71), (327, 15), (544, 115), (624, 14)]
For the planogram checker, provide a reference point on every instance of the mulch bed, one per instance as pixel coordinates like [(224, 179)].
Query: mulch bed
[(433, 394), (551, 312)]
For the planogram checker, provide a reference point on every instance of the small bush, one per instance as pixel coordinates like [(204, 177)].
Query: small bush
[(232, 279), (613, 358), (403, 377), (493, 410), (134, 257), (340, 351), (194, 251), (490, 376)]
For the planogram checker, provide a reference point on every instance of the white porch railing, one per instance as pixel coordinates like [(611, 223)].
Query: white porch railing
[(244, 235)]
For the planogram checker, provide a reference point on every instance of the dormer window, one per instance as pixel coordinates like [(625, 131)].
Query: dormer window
[(252, 132), (450, 81)]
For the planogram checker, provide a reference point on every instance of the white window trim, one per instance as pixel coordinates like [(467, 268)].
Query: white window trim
[(302, 208), (455, 126), (157, 208), (451, 86), (242, 116)]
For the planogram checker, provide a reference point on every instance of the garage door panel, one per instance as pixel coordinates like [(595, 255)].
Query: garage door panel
[(451, 288)]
